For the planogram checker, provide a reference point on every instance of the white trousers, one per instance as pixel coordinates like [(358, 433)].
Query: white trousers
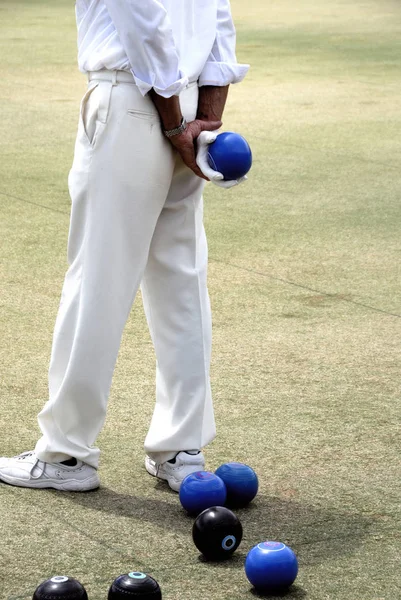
[(136, 220)]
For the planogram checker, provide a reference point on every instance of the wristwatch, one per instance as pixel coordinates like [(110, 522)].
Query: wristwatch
[(170, 132)]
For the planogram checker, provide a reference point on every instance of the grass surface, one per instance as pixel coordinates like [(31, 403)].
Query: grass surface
[(305, 288)]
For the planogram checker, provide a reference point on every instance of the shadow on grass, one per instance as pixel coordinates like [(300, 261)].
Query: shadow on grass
[(294, 591), (238, 560), (316, 534)]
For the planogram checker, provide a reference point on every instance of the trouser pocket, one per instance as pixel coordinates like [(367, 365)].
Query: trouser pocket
[(94, 111)]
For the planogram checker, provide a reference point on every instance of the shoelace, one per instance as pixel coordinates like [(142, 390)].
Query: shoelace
[(23, 455)]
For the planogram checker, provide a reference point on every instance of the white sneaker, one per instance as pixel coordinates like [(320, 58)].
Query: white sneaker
[(174, 473), (26, 470)]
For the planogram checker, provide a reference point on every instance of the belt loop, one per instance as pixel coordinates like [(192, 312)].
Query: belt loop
[(114, 78)]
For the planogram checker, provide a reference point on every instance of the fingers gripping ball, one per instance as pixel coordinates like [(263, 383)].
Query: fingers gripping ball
[(271, 566), (217, 533), (231, 155), (60, 587), (201, 490), (241, 483), (135, 585)]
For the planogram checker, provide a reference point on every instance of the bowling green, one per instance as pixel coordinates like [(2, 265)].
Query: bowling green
[(304, 281)]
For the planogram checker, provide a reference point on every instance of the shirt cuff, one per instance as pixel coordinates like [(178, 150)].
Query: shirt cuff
[(222, 73), (174, 89)]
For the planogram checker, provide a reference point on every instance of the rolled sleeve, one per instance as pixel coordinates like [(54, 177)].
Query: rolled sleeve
[(162, 88), (221, 73), (145, 32), (222, 67)]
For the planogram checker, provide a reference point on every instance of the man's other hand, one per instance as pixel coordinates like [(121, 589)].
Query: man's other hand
[(185, 142)]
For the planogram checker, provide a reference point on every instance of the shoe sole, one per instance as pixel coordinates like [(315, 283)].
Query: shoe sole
[(66, 486)]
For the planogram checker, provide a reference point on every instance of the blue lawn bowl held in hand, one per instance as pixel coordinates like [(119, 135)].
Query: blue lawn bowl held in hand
[(201, 490), (241, 483), (231, 155), (271, 566)]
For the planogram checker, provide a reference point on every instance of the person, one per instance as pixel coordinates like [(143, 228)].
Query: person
[(158, 75)]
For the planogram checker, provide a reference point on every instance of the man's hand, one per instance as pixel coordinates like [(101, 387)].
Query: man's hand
[(169, 110), (185, 142)]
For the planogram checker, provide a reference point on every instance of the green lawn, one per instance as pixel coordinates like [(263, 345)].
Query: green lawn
[(305, 288)]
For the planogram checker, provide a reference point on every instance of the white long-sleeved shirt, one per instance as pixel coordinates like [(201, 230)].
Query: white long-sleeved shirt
[(164, 43)]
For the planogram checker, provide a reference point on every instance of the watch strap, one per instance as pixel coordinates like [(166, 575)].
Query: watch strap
[(171, 132)]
